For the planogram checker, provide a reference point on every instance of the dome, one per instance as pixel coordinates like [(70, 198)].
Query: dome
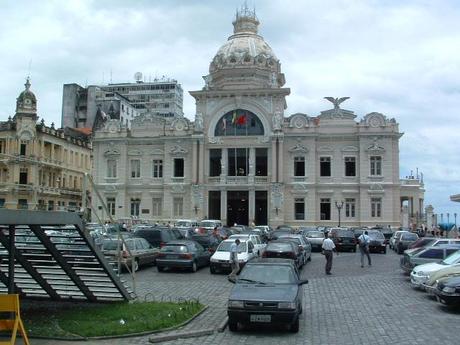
[(245, 47), (26, 102)]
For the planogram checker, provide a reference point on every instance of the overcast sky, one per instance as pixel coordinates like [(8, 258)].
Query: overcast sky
[(400, 58)]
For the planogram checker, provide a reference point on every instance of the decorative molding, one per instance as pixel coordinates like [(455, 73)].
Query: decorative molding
[(262, 139), (376, 188), (177, 189), (178, 150), (157, 152), (350, 149), (299, 188), (215, 140), (277, 196), (375, 120), (180, 124), (375, 148), (325, 149), (299, 120), (135, 152), (298, 148), (111, 151)]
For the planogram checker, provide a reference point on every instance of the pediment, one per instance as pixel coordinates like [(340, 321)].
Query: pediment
[(178, 150), (134, 152), (325, 148)]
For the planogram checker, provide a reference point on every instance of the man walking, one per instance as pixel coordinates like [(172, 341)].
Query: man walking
[(364, 240), (234, 260), (328, 248)]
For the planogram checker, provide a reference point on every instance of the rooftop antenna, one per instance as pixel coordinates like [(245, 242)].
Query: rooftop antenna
[(30, 67), (103, 77)]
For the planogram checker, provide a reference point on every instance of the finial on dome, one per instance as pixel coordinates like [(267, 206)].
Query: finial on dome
[(27, 84), (245, 20)]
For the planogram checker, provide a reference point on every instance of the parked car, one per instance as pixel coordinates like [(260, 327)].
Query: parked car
[(421, 273), (276, 233), (140, 251), (304, 245), (186, 223), (395, 236), (207, 225), (404, 241), (239, 229), (259, 246), (263, 236), (157, 236), (220, 260), (448, 291), (439, 276), (268, 291), (343, 239), (187, 233), (315, 238), (224, 232), (377, 242), (182, 254), (418, 256), (283, 249), (422, 242), (387, 233), (285, 228), (265, 228), (209, 242)]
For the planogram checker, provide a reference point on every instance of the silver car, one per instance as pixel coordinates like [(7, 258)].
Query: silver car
[(315, 238)]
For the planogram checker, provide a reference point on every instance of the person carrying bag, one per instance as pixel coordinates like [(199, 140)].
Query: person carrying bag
[(364, 240)]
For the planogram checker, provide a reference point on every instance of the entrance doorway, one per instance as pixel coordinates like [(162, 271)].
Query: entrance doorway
[(260, 214), (237, 207)]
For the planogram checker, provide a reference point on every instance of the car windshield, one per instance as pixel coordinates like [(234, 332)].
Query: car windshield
[(315, 234), (344, 233), (452, 258), (279, 246), (178, 248), (274, 274), (409, 237), (289, 238), (183, 223), (208, 224), (225, 247), (376, 235)]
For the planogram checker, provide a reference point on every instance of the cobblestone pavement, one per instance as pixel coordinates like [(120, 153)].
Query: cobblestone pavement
[(370, 305)]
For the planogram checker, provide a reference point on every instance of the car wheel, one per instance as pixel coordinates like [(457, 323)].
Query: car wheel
[(136, 265), (309, 258), (232, 325), (294, 327), (194, 266), (399, 251), (354, 250), (160, 269), (385, 250), (212, 270)]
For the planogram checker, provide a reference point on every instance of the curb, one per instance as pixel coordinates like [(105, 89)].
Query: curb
[(222, 325), (183, 335)]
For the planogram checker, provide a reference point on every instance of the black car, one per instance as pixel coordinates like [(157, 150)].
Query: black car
[(157, 236), (275, 234), (209, 242), (448, 291), (343, 239), (284, 249), (267, 292), (377, 242), (182, 254)]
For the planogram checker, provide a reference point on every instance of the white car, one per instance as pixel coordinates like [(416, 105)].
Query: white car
[(220, 260), (259, 246), (421, 273)]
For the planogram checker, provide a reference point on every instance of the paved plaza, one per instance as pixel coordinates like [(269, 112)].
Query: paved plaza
[(370, 305)]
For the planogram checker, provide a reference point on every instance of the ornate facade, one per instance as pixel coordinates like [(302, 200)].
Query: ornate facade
[(41, 167), (242, 160)]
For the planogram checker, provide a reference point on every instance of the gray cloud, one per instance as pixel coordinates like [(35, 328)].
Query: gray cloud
[(397, 58)]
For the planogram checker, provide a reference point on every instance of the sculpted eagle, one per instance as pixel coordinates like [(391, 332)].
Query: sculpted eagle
[(336, 101)]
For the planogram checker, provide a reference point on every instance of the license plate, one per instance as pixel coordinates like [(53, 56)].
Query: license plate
[(225, 265), (171, 256), (260, 318)]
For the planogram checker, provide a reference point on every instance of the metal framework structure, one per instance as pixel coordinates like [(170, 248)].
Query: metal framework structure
[(50, 255)]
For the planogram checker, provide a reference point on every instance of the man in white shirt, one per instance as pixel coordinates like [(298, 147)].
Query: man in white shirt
[(328, 248), (364, 240), (234, 260)]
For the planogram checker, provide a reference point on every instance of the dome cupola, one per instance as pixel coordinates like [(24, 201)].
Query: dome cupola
[(245, 59), (26, 103)]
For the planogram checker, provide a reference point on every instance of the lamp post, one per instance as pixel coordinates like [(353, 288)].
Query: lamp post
[(455, 218), (442, 217), (447, 228), (339, 208)]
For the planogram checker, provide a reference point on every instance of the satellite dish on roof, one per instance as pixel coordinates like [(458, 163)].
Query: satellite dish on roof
[(138, 77)]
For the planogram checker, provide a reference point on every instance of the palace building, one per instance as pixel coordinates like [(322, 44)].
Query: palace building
[(41, 168), (244, 159)]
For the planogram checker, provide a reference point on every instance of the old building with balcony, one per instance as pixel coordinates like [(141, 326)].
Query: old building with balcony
[(41, 167), (244, 160)]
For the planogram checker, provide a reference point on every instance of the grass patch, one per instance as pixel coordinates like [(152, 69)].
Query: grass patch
[(108, 319)]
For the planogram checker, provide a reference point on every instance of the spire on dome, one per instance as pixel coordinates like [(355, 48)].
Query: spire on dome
[(27, 84), (245, 20)]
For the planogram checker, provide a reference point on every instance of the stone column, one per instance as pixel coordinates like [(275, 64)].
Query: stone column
[(281, 160), (274, 162), (223, 206), (251, 205), (429, 217), (405, 217), (194, 162)]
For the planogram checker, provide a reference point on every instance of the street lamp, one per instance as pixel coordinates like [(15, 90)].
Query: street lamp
[(442, 218), (447, 228), (455, 217), (339, 208)]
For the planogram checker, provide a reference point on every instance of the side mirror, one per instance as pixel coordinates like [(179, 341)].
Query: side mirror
[(302, 282)]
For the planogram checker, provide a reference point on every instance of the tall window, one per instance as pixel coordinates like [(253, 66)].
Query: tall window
[(178, 167), (111, 168), (178, 204), (325, 209), (23, 179), (239, 122), (2, 146), (22, 204), (135, 206), (350, 166), (238, 162), (299, 166), (299, 207), (325, 166), (214, 162), (157, 207), (376, 166), (376, 207), (261, 162), (2, 203), (157, 168), (350, 207), (111, 206), (135, 168), (23, 148)]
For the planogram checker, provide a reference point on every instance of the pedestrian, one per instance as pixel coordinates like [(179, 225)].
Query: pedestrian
[(364, 240), (234, 260), (328, 249)]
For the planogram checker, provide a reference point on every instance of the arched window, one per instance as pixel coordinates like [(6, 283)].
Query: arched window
[(239, 122)]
